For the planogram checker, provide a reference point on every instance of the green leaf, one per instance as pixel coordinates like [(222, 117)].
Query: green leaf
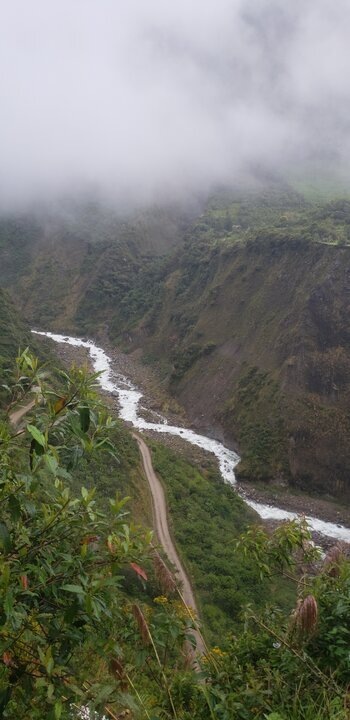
[(38, 449), (74, 589), (30, 507), (49, 665), (5, 538), (58, 710), (84, 413), (5, 696), (8, 603), (14, 508), (52, 463), (37, 435), (104, 693)]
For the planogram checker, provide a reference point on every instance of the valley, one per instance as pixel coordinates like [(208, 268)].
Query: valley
[(227, 350), (237, 314), (241, 310), (174, 360), (131, 411)]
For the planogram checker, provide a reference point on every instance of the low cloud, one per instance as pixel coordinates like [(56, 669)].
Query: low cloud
[(148, 99)]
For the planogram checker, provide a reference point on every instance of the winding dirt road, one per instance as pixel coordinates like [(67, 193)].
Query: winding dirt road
[(160, 522), (160, 519)]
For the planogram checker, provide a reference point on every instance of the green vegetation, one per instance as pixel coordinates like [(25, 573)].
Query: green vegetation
[(105, 473), (256, 411), (89, 614), (65, 590), (245, 308), (184, 360), (292, 667), (257, 282), (258, 279), (68, 266), (13, 332), (250, 326), (206, 517)]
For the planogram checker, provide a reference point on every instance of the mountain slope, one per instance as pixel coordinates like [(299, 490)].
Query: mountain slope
[(255, 338), (244, 310), (65, 266), (13, 332)]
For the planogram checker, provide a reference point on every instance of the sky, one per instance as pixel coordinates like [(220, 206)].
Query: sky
[(149, 98)]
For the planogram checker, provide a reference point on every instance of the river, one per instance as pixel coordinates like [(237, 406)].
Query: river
[(129, 398)]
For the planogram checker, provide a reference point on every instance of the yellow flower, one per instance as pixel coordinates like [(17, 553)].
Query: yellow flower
[(183, 612), (160, 600), (218, 652)]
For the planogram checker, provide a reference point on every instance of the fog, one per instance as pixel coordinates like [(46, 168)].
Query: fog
[(149, 98)]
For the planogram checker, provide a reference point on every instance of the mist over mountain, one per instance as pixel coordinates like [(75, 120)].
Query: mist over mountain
[(145, 101)]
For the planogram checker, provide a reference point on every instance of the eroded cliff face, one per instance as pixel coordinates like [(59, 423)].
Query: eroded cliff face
[(255, 339)]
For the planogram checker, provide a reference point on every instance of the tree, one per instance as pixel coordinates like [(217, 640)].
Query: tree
[(288, 666), (74, 635), (61, 558)]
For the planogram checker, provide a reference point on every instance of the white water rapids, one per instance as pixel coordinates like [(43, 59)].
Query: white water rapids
[(129, 405)]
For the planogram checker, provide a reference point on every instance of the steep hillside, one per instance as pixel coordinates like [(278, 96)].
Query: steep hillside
[(253, 335), (66, 266), (13, 332), (15, 335), (243, 309)]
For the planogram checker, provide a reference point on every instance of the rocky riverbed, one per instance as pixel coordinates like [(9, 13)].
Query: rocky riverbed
[(156, 403)]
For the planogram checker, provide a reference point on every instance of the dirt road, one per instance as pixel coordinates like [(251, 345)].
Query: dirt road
[(160, 519), (160, 522), (17, 415)]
